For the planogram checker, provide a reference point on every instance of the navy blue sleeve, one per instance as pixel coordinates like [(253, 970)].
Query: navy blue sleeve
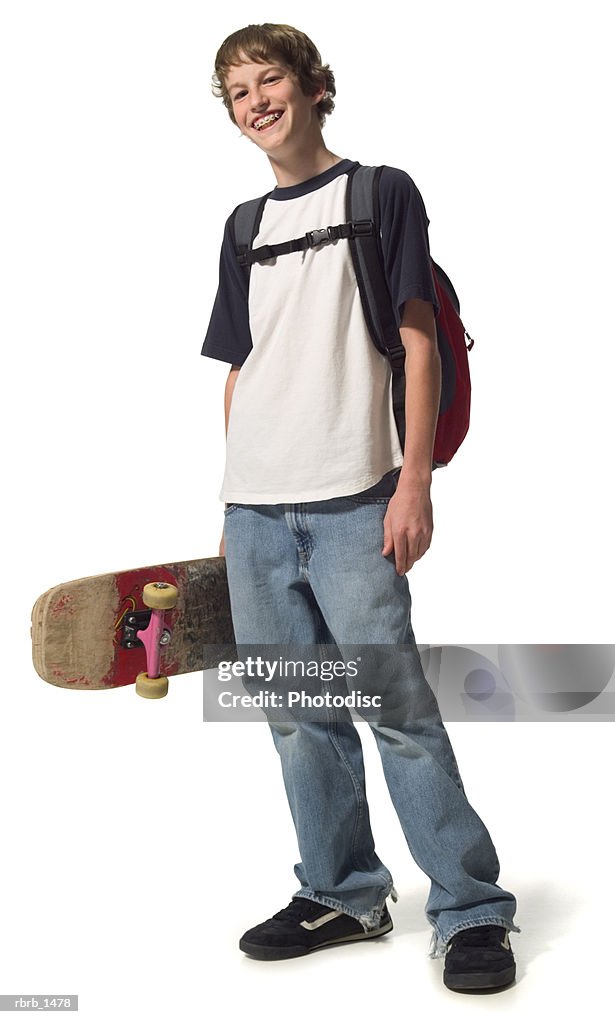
[(228, 335), (405, 242)]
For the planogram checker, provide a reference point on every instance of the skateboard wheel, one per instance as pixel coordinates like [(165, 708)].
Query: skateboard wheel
[(147, 687), (160, 595)]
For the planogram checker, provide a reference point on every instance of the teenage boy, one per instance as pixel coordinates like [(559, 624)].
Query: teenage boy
[(325, 515)]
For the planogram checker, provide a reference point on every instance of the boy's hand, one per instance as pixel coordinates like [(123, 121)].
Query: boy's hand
[(221, 550), (408, 525)]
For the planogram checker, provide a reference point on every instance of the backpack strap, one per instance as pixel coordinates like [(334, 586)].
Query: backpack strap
[(245, 224), (307, 241), (363, 202)]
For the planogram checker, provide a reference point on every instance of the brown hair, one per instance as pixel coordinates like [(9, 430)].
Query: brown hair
[(262, 43)]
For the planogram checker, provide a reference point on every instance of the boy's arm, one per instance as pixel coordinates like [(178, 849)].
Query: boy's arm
[(229, 387), (231, 380), (408, 524)]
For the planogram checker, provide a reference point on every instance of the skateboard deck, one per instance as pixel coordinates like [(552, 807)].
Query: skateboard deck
[(85, 633)]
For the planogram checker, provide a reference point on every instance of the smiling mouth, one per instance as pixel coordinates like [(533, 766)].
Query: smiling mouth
[(263, 123)]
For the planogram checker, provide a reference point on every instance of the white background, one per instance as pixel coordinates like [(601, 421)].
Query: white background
[(140, 843)]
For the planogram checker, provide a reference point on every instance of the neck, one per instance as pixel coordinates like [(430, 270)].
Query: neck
[(302, 164)]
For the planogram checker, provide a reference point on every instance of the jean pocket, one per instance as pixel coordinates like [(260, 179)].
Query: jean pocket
[(230, 508)]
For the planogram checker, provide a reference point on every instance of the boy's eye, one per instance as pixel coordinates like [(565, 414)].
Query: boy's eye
[(270, 78)]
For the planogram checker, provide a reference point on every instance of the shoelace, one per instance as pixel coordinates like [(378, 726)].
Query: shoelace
[(295, 911)]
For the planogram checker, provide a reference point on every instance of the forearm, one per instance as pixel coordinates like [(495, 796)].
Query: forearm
[(228, 394), (228, 397), (408, 523), (423, 383)]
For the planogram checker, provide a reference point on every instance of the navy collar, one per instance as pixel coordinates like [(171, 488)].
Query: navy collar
[(311, 184)]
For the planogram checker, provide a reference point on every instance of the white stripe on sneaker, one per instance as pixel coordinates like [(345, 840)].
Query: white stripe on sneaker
[(311, 926)]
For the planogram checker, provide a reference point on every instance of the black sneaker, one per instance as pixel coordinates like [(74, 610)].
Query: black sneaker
[(304, 926), (479, 958)]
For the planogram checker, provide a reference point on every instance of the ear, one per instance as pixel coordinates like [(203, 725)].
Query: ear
[(317, 96)]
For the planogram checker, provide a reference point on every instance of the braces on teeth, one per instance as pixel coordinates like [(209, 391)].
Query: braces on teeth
[(262, 121)]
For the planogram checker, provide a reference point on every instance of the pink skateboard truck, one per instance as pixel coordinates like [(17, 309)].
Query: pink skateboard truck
[(159, 597)]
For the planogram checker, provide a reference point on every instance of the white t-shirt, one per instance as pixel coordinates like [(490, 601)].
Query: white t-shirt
[(311, 416)]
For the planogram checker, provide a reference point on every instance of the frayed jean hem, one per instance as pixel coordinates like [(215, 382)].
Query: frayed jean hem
[(370, 920), (438, 944)]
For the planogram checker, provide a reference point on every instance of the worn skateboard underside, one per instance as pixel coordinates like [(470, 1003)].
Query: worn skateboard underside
[(77, 626)]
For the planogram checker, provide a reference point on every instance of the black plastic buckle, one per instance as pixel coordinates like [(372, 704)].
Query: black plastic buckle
[(362, 227), (317, 236)]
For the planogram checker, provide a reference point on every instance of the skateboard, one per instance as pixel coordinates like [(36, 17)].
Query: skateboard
[(137, 626)]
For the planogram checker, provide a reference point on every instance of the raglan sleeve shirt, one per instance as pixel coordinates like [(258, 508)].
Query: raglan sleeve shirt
[(405, 242), (228, 336), (299, 332)]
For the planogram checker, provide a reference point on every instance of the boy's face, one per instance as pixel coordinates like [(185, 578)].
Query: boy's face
[(259, 90)]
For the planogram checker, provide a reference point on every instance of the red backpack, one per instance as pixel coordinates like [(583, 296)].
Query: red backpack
[(362, 229)]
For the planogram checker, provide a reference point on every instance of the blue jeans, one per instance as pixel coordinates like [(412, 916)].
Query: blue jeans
[(313, 573)]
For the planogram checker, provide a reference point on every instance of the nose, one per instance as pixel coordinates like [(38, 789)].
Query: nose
[(257, 98)]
